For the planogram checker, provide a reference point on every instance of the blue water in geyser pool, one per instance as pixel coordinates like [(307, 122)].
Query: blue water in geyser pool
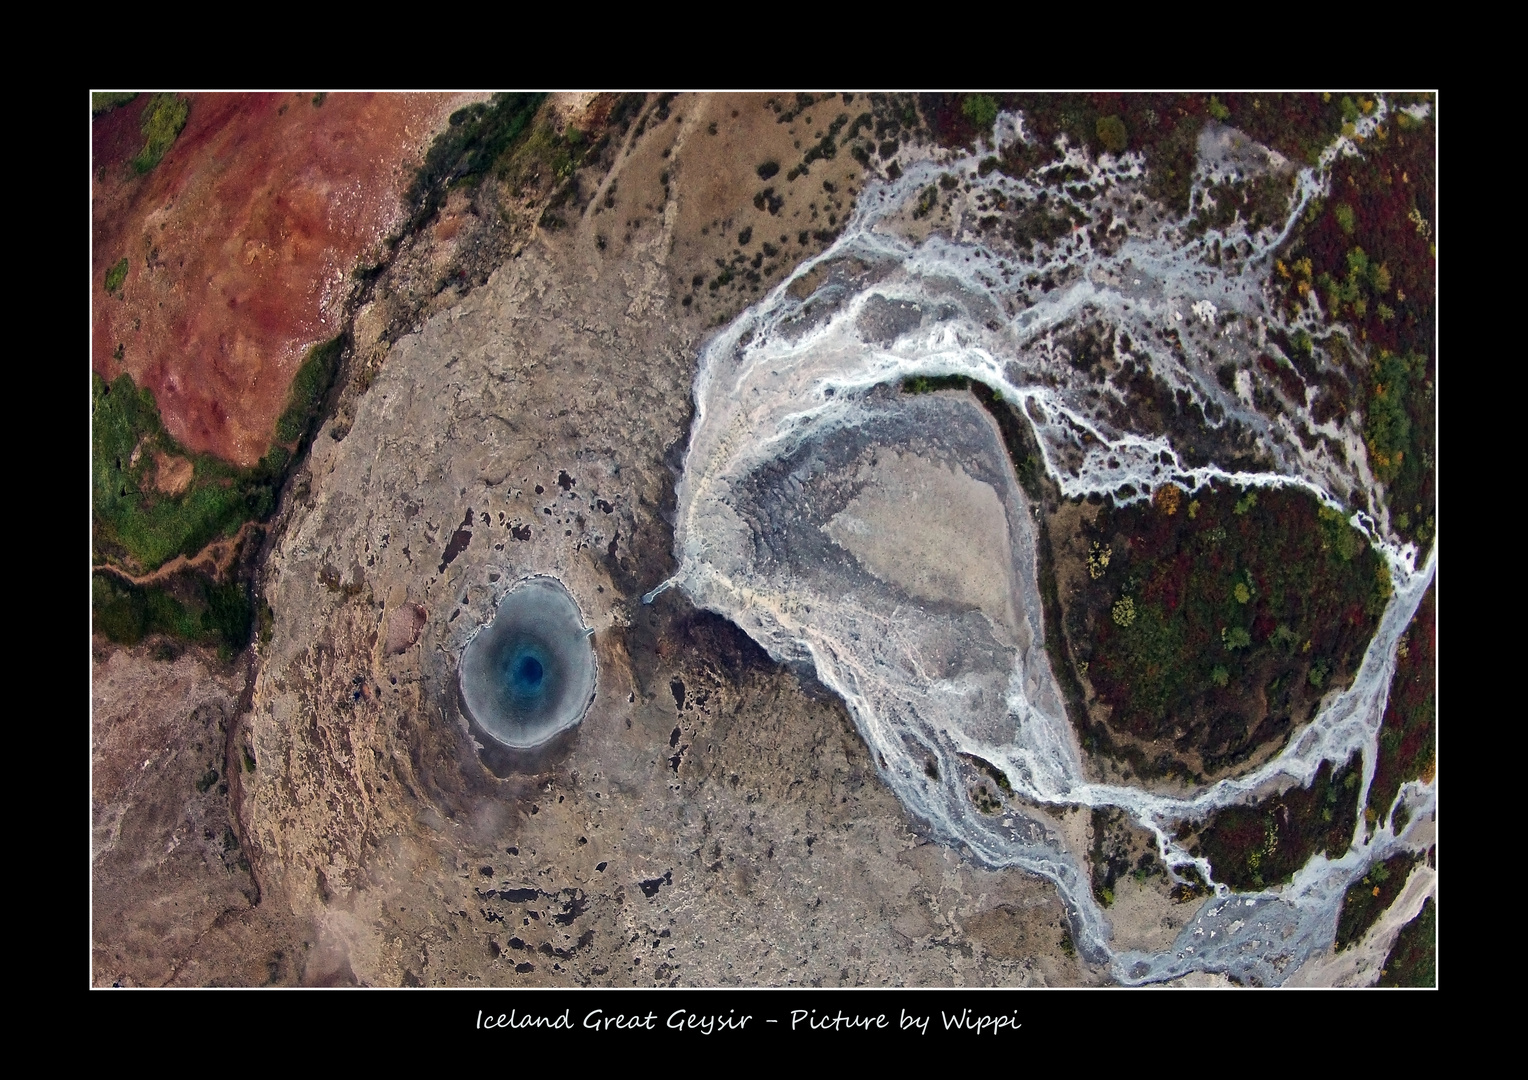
[(526, 674), (529, 674)]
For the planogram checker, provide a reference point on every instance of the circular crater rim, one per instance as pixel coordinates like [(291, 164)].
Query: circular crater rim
[(530, 673)]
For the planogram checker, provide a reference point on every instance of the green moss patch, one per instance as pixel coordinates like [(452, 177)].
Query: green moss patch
[(139, 527), (1215, 622), (116, 276), (1413, 959), (306, 396), (188, 608), (1407, 735), (1366, 899), (1399, 432), (103, 102), (163, 119), (981, 110), (1260, 846), (476, 139)]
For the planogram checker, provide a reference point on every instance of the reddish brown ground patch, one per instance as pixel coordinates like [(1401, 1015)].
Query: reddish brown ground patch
[(403, 627), (240, 244)]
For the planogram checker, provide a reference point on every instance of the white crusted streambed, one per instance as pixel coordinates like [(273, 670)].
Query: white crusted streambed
[(882, 537)]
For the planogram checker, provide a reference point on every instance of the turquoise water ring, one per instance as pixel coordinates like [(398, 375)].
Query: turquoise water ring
[(529, 674)]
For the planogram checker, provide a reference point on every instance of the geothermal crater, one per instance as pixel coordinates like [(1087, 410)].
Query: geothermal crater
[(529, 674)]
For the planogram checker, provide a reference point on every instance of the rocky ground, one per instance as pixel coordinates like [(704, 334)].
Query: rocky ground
[(714, 821), (174, 901)]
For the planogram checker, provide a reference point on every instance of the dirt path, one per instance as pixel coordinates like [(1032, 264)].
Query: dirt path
[(214, 559)]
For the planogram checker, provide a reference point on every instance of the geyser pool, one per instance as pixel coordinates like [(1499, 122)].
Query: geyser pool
[(529, 674)]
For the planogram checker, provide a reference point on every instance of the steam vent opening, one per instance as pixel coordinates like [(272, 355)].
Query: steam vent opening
[(529, 674)]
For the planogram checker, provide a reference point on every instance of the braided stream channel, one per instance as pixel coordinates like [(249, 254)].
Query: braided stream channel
[(884, 539)]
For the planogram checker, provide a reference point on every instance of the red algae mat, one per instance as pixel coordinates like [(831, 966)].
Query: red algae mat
[(239, 246)]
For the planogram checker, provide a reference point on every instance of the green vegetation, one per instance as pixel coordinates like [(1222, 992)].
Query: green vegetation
[(546, 155), (116, 276), (163, 119), (540, 161), (1368, 256), (1206, 627), (308, 389), (927, 200), (1192, 887), (1260, 846), (189, 609), (135, 522), (476, 140), (103, 103), (1338, 536), (1413, 959), (825, 148), (1366, 899), (1164, 129), (1111, 134), (265, 623), (1036, 224), (139, 527), (1387, 423), (1024, 453), (1121, 850), (1258, 202), (981, 110), (997, 775), (985, 801), (1365, 280), (143, 527)]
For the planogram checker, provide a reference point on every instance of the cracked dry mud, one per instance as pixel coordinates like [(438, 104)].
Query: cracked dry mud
[(714, 820)]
